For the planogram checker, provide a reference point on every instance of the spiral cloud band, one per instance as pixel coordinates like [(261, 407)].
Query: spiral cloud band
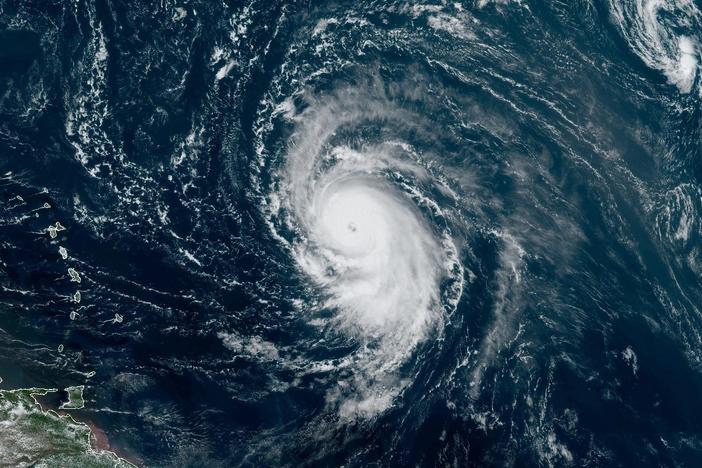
[(665, 35), (364, 240)]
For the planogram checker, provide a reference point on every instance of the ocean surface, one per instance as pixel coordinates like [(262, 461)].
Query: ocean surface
[(358, 233)]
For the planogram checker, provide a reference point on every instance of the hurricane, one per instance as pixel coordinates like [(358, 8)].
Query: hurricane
[(283, 233), (367, 234)]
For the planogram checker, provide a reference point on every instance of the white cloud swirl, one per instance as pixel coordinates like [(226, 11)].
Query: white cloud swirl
[(365, 242), (665, 35)]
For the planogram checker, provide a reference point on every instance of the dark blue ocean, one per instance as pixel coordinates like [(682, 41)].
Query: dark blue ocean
[(358, 233)]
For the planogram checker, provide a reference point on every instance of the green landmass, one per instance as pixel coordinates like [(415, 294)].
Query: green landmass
[(30, 436), (75, 398)]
